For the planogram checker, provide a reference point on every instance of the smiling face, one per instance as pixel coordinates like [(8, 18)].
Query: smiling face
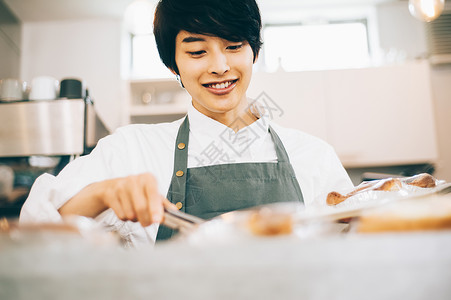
[(216, 73)]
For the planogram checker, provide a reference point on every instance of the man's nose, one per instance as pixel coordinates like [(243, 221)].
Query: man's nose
[(218, 64)]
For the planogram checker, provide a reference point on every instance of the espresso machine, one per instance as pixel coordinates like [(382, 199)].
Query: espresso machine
[(39, 137)]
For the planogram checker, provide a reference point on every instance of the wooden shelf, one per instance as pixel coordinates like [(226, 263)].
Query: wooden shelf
[(152, 80)]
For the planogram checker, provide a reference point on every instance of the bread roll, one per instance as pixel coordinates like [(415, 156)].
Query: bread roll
[(268, 222), (431, 213), (422, 180), (390, 184)]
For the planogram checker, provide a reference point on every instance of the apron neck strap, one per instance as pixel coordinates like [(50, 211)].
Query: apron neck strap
[(182, 138), (282, 155)]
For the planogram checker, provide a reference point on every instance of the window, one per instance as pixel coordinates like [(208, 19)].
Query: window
[(293, 47), (297, 47), (145, 59)]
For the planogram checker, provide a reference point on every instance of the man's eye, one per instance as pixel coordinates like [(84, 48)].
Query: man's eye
[(235, 47), (196, 53)]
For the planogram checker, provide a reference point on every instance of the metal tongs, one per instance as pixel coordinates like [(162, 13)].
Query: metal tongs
[(181, 221), (184, 222)]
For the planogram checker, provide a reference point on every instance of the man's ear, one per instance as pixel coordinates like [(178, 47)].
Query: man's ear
[(173, 72)]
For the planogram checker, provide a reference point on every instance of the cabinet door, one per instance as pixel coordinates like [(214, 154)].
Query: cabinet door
[(381, 116), (298, 99)]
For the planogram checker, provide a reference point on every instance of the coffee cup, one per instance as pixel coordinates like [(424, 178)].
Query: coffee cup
[(44, 88), (72, 88), (12, 89)]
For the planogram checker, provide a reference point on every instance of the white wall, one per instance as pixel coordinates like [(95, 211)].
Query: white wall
[(86, 49), (399, 31), (10, 39)]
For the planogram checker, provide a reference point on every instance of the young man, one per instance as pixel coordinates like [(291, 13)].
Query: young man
[(126, 181)]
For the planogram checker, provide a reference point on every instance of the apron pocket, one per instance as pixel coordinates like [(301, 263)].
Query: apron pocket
[(193, 194)]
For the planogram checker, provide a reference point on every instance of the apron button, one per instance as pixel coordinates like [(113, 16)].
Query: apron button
[(179, 173), (181, 146), (179, 205)]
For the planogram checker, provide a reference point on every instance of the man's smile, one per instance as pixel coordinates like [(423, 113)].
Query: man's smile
[(222, 87)]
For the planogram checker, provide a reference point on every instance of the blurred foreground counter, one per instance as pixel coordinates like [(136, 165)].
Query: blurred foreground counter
[(384, 266)]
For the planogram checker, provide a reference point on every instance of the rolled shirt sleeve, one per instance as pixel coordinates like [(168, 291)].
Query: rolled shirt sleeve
[(49, 192)]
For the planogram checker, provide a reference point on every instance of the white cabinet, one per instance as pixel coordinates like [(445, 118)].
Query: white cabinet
[(381, 116), (300, 97), (372, 116)]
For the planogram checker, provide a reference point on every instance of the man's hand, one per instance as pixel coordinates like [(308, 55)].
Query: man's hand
[(133, 198)]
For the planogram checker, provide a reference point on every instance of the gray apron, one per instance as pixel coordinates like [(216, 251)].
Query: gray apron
[(207, 192)]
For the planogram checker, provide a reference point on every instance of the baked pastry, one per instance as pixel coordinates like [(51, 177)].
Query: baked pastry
[(334, 198), (393, 184), (268, 222), (390, 184), (4, 225), (431, 213), (423, 180)]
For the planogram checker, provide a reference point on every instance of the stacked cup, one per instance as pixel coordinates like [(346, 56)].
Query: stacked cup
[(72, 88), (12, 89), (44, 88)]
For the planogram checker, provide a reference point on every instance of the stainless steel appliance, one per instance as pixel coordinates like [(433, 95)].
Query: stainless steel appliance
[(43, 136)]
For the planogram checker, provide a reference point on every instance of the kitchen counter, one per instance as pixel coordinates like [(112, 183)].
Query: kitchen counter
[(389, 266)]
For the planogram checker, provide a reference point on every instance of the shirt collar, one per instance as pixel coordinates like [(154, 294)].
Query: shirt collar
[(214, 129)]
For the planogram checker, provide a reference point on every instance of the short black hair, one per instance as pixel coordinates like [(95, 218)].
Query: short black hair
[(232, 20)]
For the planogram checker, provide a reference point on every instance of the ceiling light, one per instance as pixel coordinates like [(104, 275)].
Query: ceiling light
[(426, 10)]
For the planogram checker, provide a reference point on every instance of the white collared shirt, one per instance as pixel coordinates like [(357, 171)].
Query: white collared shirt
[(220, 144), (141, 148)]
